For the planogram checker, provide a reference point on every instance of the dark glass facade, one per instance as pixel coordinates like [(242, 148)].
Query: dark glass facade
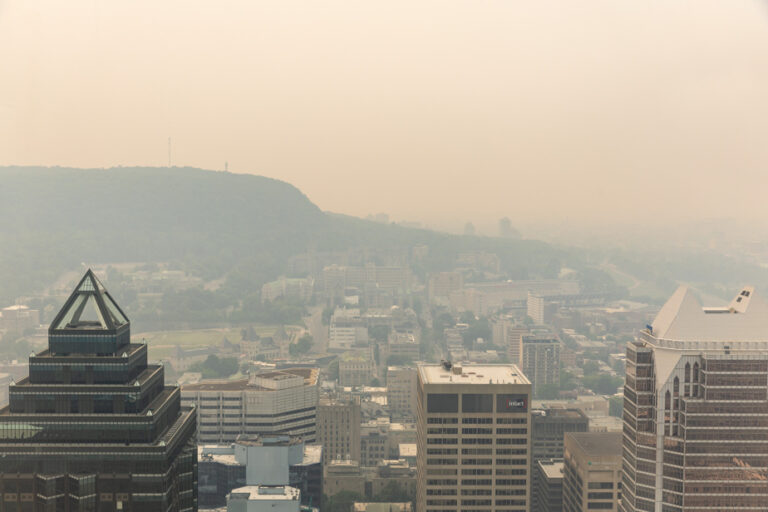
[(93, 428)]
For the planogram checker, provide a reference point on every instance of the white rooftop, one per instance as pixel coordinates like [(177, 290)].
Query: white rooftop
[(683, 318), (265, 492), (472, 374)]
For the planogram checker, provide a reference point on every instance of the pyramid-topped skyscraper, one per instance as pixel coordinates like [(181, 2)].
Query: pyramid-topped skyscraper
[(93, 428)]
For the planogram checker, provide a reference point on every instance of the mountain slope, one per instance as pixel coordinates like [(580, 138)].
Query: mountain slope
[(214, 223)]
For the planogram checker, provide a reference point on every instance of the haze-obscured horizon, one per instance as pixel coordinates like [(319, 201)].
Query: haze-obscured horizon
[(552, 112)]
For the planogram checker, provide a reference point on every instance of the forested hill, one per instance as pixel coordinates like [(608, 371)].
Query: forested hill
[(212, 223)]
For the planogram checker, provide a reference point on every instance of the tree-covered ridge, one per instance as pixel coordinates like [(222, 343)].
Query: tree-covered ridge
[(239, 227)]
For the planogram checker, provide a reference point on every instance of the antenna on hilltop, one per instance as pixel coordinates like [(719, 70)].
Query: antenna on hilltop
[(169, 151), (226, 166)]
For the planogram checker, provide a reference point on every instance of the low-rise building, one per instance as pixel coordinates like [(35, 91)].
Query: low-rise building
[(403, 345), (264, 498), (356, 368), (280, 401)]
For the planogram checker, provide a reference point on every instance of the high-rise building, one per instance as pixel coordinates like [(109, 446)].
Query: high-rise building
[(548, 428), (338, 429), (277, 402), (696, 408), (401, 392), (547, 493), (541, 361), (473, 438), (592, 471), (93, 427)]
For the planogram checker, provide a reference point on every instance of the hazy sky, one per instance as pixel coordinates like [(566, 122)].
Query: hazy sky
[(540, 110)]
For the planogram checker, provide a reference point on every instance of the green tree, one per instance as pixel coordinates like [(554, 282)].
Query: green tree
[(375, 382), (602, 384), (341, 501), (616, 406), (398, 360), (215, 368), (302, 346), (393, 492), (379, 332), (333, 370), (547, 392)]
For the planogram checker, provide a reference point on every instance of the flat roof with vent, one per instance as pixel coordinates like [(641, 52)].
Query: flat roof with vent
[(472, 374)]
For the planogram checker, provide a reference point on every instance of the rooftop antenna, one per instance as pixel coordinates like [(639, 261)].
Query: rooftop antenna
[(169, 151)]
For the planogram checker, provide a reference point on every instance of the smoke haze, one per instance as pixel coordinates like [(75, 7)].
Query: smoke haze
[(595, 111)]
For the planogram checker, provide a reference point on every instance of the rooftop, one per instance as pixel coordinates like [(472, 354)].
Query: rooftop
[(598, 444), (308, 374), (552, 468), (265, 492), (472, 374), (683, 318)]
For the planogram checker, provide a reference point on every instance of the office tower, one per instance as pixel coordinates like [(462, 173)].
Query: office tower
[(338, 429), (696, 408), (473, 438), (93, 427), (259, 460), (401, 392), (277, 402), (548, 428), (541, 361), (592, 471), (547, 493)]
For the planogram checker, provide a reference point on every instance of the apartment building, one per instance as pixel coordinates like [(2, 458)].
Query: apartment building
[(401, 392), (338, 429), (277, 402), (541, 360), (473, 438)]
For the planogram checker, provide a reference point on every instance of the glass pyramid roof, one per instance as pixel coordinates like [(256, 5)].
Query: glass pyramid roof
[(89, 307)]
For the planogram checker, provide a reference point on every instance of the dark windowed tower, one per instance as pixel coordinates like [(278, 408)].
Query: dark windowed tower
[(93, 428)]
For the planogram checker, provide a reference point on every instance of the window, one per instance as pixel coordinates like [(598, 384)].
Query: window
[(476, 403), (442, 402)]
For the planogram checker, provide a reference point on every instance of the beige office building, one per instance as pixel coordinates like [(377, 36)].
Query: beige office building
[(592, 471), (473, 438), (401, 392), (338, 429)]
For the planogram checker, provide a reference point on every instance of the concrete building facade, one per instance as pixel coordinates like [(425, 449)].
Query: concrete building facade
[(473, 438), (276, 402), (401, 392), (338, 429), (541, 361), (592, 471)]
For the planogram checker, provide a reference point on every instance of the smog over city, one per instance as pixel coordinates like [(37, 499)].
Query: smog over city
[(351, 256)]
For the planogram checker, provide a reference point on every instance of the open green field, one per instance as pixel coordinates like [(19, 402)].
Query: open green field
[(163, 343)]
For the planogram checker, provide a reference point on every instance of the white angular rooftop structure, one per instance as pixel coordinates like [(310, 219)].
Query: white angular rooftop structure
[(684, 319)]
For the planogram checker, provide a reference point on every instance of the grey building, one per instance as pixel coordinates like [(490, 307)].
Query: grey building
[(548, 493)]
